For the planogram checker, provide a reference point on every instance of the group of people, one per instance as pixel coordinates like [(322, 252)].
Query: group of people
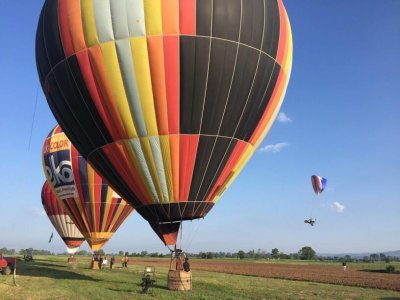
[(182, 262), (102, 261)]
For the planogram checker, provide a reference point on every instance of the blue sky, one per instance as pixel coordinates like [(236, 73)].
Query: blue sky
[(341, 121)]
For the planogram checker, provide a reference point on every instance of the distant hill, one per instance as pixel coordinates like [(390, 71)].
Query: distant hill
[(361, 255), (393, 253)]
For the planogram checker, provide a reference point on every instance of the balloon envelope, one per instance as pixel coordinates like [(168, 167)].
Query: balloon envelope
[(95, 208), (61, 221), (168, 100), (318, 184)]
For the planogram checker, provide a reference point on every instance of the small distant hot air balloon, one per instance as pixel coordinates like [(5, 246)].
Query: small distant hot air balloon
[(168, 100), (61, 221), (318, 183), (96, 209)]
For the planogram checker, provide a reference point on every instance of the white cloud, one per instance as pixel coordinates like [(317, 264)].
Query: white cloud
[(273, 148), (337, 207), (37, 211), (283, 118)]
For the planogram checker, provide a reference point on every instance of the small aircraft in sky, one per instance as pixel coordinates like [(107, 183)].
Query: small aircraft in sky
[(310, 221)]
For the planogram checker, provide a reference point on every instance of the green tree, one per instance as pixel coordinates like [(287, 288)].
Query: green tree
[(373, 257), (283, 256), (241, 254), (306, 253), (275, 253), (348, 258), (251, 254)]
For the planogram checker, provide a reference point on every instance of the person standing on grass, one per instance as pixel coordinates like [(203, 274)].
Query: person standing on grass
[(344, 264), (112, 262), (104, 265), (126, 259)]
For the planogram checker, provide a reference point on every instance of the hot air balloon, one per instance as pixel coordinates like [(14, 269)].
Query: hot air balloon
[(167, 100), (95, 208), (318, 184), (61, 221)]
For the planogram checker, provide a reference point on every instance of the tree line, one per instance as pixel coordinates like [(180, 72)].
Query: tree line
[(305, 253)]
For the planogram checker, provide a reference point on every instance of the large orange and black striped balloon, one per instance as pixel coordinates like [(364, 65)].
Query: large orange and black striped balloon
[(93, 206), (168, 99), (61, 221)]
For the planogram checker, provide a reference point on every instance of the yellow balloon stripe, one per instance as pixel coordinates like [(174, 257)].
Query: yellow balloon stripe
[(152, 14), (287, 60), (89, 23), (146, 148), (117, 214), (81, 212), (100, 235), (174, 146), (92, 197), (136, 165), (109, 195), (143, 81), (277, 97), (97, 240), (111, 64), (166, 155)]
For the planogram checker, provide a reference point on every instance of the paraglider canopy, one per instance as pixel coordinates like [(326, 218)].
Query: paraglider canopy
[(318, 184)]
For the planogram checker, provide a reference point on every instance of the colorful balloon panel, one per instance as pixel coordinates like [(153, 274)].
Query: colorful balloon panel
[(166, 99), (318, 184), (61, 221), (95, 208)]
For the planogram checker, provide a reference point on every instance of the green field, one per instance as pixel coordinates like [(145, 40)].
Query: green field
[(53, 278)]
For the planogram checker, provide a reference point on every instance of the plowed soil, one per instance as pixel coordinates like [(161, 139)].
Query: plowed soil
[(332, 274)]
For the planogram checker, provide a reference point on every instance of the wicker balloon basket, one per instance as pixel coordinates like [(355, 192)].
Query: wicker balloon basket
[(94, 265), (72, 260), (179, 280)]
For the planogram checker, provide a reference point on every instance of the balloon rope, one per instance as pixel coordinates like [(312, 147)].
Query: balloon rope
[(180, 239), (193, 235), (33, 117)]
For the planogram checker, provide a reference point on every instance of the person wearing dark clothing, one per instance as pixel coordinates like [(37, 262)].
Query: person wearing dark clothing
[(186, 265), (112, 262)]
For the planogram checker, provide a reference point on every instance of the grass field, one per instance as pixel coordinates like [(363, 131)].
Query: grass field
[(52, 278)]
